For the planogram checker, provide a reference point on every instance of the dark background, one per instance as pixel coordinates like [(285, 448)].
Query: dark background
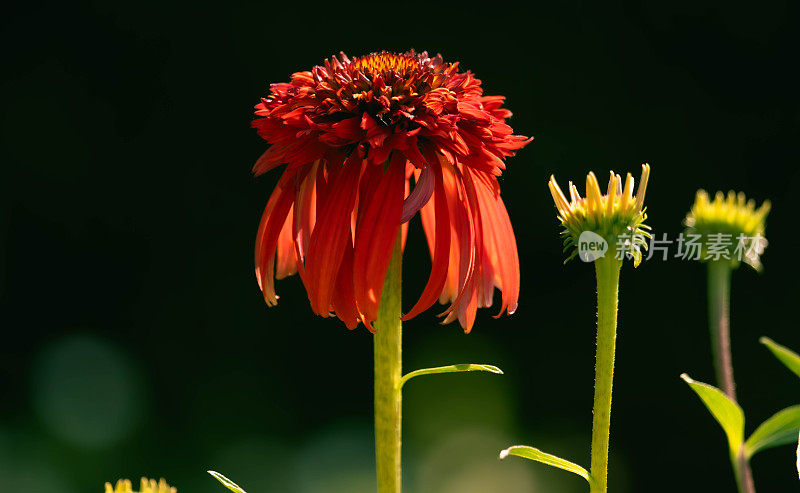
[(135, 340)]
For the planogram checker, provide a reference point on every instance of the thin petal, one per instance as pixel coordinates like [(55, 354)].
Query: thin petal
[(467, 304), (286, 263), (344, 302), (438, 232), (330, 236), (500, 250), (272, 222), (462, 260), (419, 196), (376, 237), (305, 215)]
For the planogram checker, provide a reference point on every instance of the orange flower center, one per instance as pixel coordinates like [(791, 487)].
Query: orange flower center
[(385, 62)]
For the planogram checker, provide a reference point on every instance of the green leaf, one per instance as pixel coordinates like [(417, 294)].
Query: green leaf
[(780, 429), (545, 458), (226, 482), (727, 413), (450, 369), (784, 354)]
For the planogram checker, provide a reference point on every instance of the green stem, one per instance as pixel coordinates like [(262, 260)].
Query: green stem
[(719, 289), (744, 475), (388, 369), (719, 286), (607, 269)]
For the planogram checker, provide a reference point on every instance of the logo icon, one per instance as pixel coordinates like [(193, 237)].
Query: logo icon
[(591, 246)]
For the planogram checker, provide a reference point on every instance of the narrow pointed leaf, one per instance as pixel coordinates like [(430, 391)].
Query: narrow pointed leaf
[(780, 429), (450, 369), (727, 413), (545, 458), (227, 482), (784, 354)]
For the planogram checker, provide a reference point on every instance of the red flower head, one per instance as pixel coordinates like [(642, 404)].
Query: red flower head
[(353, 134)]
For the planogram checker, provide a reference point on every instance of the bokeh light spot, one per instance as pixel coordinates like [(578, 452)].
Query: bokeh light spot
[(86, 391)]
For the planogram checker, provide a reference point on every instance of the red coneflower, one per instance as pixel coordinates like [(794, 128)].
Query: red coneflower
[(353, 133)]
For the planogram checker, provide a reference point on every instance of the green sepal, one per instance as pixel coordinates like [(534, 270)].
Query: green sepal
[(226, 482), (727, 413), (784, 354), (450, 369), (780, 429), (551, 460)]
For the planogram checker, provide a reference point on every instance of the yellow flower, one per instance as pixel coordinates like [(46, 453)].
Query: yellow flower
[(728, 227), (618, 216), (147, 486)]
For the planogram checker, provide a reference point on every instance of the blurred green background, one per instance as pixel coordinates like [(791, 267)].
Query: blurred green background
[(135, 340)]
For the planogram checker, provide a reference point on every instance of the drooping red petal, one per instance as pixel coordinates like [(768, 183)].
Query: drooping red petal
[(462, 239), (420, 196), (410, 171), (438, 234), (467, 304), (376, 237), (500, 250), (272, 222), (305, 215), (370, 181), (466, 307), (330, 236), (285, 262), (344, 300)]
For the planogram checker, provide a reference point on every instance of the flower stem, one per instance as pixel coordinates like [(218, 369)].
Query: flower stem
[(388, 366), (719, 288), (744, 475), (607, 269)]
